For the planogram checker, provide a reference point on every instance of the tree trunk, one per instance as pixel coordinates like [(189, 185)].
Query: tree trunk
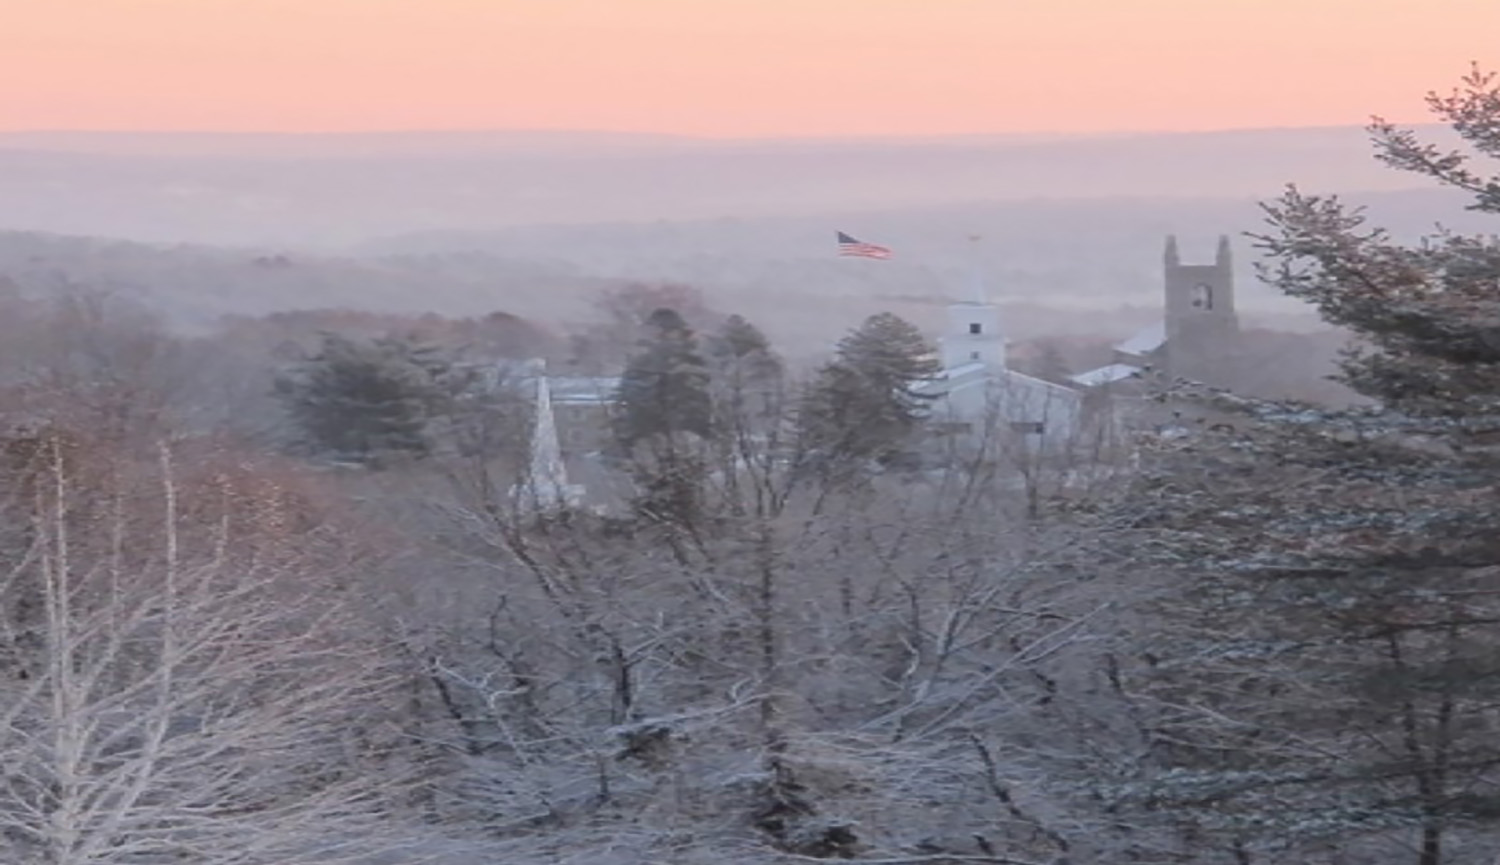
[(766, 561), (1432, 845)]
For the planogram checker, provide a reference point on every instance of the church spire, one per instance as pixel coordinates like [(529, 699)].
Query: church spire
[(1170, 256), (546, 486), (976, 274), (1222, 258), (546, 468)]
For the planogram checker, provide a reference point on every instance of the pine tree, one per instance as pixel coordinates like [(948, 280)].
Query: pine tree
[(665, 388), (747, 375), (862, 406), (1328, 663), (741, 351), (356, 399), (750, 411), (663, 423)]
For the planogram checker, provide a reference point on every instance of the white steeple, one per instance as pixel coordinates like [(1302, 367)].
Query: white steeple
[(973, 332), (545, 485)]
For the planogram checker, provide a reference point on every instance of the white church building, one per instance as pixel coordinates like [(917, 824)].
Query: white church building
[(976, 392)]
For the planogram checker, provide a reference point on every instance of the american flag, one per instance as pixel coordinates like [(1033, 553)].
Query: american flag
[(850, 246)]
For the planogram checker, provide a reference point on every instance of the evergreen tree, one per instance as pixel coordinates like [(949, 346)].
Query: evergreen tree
[(749, 403), (356, 399), (747, 376), (1328, 667), (665, 388), (739, 350), (663, 421), (862, 406)]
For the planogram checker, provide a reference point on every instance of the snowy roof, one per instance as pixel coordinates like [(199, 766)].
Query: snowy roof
[(583, 389), (960, 371), (1040, 383), (1105, 375), (958, 378), (1146, 340)]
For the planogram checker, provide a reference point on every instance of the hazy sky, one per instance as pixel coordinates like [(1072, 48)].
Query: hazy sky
[(730, 67)]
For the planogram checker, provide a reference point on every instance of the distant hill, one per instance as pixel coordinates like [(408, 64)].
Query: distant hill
[(195, 285), (332, 190)]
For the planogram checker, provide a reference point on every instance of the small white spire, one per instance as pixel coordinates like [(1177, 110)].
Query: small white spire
[(546, 485)]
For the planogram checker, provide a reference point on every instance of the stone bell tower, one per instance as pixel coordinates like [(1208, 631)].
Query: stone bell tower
[(1202, 329)]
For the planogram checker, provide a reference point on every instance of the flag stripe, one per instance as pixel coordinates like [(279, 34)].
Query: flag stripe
[(860, 249)]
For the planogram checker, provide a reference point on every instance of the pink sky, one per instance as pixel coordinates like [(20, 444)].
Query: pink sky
[(730, 67)]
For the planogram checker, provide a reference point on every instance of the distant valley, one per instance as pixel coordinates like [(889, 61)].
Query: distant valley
[(536, 223)]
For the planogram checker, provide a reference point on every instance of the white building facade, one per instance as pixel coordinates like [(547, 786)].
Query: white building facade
[(977, 393)]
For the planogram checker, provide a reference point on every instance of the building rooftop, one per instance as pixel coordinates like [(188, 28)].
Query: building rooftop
[(575, 390), (1146, 340), (1105, 375)]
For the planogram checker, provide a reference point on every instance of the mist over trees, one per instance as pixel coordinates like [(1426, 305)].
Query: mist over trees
[(271, 592)]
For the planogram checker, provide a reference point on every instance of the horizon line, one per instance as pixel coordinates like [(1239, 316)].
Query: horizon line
[(681, 136)]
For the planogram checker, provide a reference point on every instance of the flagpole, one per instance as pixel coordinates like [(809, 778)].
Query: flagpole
[(976, 267)]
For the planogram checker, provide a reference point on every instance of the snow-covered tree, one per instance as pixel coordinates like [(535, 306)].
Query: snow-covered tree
[(184, 677), (1327, 668)]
